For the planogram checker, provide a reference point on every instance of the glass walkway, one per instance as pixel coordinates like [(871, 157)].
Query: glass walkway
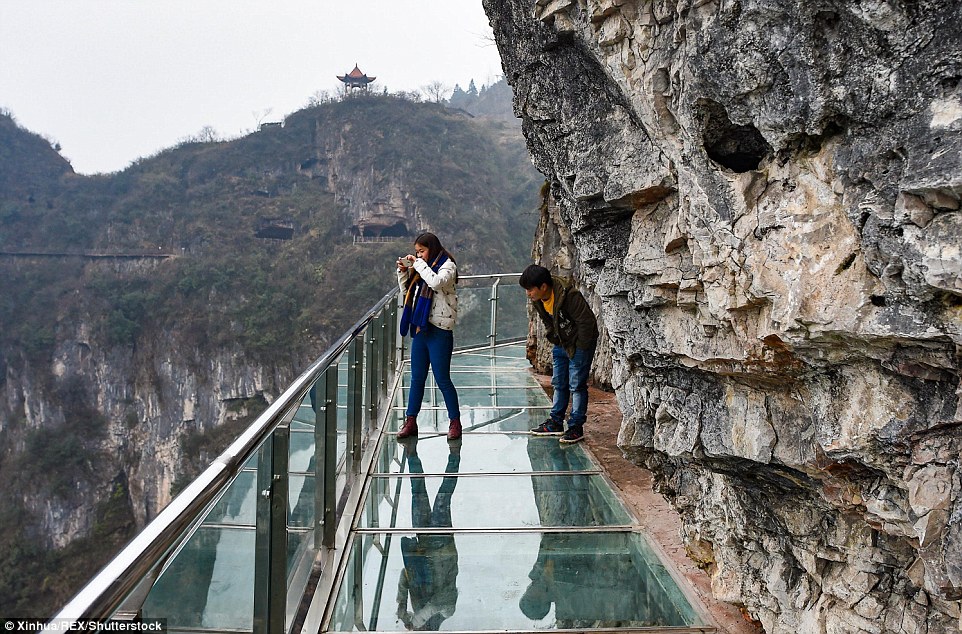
[(501, 531), (318, 519)]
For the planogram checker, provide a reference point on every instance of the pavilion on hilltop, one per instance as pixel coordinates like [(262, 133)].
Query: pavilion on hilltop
[(356, 80)]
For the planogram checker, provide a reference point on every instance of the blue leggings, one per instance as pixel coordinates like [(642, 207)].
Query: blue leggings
[(432, 346)]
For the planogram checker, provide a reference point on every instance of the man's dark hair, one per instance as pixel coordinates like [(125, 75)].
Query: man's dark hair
[(534, 276)]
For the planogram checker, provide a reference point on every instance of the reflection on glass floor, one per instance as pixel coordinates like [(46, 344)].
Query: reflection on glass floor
[(501, 531)]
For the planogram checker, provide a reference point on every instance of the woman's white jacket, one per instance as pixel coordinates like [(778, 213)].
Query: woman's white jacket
[(444, 308)]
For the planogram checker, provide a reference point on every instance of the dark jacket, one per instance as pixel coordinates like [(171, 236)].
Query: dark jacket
[(573, 325)]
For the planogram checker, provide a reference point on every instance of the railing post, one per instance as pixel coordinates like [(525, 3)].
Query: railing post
[(494, 313), (395, 335), (355, 402), (325, 458), (399, 341), (385, 348), (373, 371), (270, 549)]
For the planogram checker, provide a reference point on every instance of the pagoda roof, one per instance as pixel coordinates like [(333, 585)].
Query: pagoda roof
[(356, 77)]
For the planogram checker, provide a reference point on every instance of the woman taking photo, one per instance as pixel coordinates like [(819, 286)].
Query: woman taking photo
[(427, 280)]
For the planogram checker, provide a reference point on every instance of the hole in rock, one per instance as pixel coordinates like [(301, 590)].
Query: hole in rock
[(740, 148), (877, 300), (846, 263), (951, 300)]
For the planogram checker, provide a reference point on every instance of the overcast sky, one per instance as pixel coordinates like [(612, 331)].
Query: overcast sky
[(114, 80)]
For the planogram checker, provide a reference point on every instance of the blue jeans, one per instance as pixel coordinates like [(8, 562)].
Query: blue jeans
[(432, 346), (569, 378)]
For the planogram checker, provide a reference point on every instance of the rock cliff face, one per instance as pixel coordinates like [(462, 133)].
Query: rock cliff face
[(146, 401), (762, 200), (378, 204)]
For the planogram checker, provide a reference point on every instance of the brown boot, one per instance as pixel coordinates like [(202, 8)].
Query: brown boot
[(454, 429), (409, 428)]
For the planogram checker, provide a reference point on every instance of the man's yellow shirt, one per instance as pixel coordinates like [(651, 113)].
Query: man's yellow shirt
[(549, 303)]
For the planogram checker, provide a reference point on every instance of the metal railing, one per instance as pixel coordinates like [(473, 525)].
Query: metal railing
[(477, 326), (269, 508)]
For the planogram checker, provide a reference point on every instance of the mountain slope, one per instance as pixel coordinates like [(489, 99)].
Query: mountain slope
[(121, 376)]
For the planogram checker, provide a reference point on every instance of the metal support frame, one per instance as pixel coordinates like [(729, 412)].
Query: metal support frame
[(372, 387), (270, 549), (493, 337), (355, 403), (387, 345), (325, 459), (399, 340)]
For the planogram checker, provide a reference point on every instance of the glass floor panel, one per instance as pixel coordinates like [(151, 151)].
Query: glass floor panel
[(474, 377), (505, 501), (487, 453), (508, 419), (486, 397), (491, 581), (484, 361)]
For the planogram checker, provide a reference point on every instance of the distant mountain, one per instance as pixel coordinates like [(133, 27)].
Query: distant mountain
[(28, 163), (146, 316), (492, 101)]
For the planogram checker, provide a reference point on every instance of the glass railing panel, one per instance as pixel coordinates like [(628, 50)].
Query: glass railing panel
[(300, 556), (210, 584), (474, 317), (491, 501), (237, 504), (512, 311), (488, 453), (299, 544), (301, 450), (507, 581), (300, 509)]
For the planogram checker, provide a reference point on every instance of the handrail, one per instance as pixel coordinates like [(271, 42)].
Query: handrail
[(104, 594), (487, 276)]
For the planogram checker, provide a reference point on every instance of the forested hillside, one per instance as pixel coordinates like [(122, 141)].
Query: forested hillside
[(147, 315)]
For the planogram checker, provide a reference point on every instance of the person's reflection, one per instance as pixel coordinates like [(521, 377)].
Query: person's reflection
[(563, 499), (588, 587), (430, 560)]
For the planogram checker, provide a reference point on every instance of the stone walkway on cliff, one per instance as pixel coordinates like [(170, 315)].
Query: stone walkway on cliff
[(660, 521)]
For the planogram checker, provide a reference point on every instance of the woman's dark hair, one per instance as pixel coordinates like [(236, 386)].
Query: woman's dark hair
[(433, 245), (534, 276)]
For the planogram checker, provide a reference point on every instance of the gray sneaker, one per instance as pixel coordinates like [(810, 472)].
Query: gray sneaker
[(573, 435)]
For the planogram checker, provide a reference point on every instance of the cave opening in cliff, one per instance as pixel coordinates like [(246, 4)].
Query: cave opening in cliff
[(740, 148), (397, 230), (380, 232)]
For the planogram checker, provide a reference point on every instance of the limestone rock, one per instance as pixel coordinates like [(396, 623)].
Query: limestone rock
[(761, 200)]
